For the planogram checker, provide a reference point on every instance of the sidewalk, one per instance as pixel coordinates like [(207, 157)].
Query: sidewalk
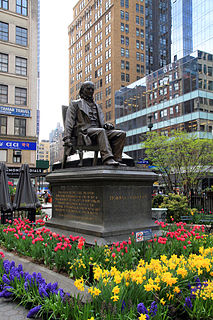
[(11, 311)]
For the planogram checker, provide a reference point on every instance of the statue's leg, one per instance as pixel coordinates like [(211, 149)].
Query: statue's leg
[(117, 140), (99, 136), (81, 158)]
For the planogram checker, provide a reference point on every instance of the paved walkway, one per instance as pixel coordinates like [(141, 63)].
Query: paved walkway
[(11, 311)]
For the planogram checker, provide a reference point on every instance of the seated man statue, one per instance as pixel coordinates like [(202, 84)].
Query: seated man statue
[(86, 118)]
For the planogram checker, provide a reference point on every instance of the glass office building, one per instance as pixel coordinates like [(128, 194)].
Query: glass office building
[(192, 27), (177, 96)]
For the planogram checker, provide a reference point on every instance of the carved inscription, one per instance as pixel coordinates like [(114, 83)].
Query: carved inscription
[(129, 197), (79, 205)]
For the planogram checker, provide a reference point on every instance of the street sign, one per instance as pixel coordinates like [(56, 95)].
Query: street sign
[(143, 235), (142, 161)]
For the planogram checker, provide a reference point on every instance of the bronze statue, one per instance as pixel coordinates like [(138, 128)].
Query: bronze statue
[(85, 119)]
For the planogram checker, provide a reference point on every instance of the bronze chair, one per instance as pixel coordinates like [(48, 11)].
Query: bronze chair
[(77, 147)]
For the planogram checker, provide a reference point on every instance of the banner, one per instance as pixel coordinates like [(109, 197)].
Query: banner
[(13, 111), (17, 145)]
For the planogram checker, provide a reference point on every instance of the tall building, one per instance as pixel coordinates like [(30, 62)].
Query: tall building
[(107, 46), (158, 34), (177, 96), (192, 27), (44, 150), (56, 144), (18, 81)]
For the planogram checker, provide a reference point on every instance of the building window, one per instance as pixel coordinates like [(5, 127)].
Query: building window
[(127, 41), (141, 9), (3, 93), (122, 52), (142, 57), (4, 31), (122, 27), (16, 156), (21, 96), (127, 53), (4, 4), (137, 7), (108, 103), (137, 32), (21, 7), (122, 76), (3, 62), (122, 64), (127, 78), (138, 68), (108, 91), (21, 36), (127, 3), (122, 14), (19, 127), (142, 45), (137, 20), (127, 28), (3, 125), (137, 56), (142, 69), (137, 44), (3, 155), (141, 21), (127, 65), (127, 16), (122, 3), (21, 66), (122, 39)]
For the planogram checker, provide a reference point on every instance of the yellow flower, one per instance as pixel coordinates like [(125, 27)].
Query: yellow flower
[(176, 289), (142, 317), (92, 318), (116, 290), (79, 284), (115, 298), (162, 301)]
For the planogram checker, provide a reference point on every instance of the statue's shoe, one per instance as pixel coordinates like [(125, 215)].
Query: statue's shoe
[(111, 162)]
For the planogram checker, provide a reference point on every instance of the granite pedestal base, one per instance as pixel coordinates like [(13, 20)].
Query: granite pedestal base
[(103, 204)]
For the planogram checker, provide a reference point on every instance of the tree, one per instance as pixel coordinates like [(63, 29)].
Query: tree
[(182, 159)]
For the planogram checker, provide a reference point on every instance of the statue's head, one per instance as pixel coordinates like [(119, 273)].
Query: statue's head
[(87, 90)]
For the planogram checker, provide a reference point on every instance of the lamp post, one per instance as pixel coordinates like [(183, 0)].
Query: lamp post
[(150, 124)]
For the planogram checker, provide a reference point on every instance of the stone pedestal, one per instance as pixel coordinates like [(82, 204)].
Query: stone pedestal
[(101, 203)]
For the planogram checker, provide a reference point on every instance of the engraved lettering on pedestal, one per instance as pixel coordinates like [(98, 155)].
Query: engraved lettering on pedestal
[(79, 205)]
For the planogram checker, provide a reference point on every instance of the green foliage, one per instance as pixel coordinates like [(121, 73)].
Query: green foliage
[(177, 206), (157, 200), (181, 159)]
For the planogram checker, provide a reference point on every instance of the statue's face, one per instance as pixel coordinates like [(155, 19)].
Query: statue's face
[(89, 90)]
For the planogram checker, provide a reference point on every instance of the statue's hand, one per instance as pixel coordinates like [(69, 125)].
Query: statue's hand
[(67, 143), (108, 126)]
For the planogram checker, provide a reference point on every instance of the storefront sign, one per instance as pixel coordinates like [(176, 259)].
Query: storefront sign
[(14, 171), (143, 235), (13, 111), (17, 145)]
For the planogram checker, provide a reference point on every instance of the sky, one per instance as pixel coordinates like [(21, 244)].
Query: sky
[(55, 17)]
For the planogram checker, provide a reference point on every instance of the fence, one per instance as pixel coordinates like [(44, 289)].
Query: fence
[(203, 202)]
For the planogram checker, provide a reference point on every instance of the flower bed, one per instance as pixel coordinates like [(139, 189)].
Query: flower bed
[(166, 277)]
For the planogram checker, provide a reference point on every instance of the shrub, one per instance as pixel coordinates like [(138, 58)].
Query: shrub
[(157, 201), (177, 206)]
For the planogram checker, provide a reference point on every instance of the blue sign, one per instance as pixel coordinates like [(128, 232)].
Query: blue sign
[(19, 145), (142, 161), (143, 235), (13, 111)]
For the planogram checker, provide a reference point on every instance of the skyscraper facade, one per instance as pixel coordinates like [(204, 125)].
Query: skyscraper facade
[(158, 34), (192, 27), (18, 81), (177, 96)]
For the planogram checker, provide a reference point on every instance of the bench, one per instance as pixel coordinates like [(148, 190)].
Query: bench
[(186, 218), (207, 222), (78, 148)]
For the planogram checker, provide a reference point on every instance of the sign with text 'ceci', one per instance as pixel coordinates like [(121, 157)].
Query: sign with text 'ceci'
[(13, 111), (17, 145), (143, 235)]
